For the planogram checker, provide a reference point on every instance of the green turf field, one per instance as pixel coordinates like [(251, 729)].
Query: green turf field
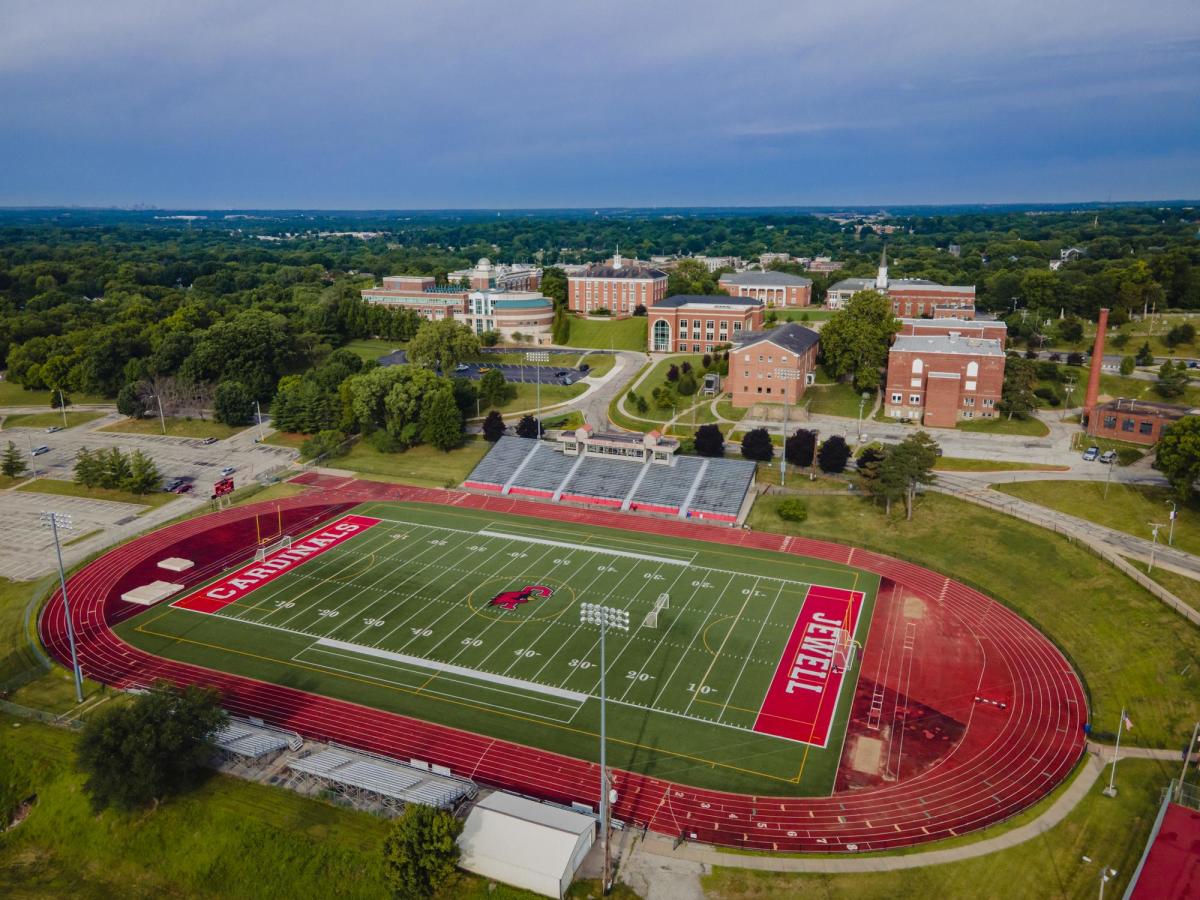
[(399, 617)]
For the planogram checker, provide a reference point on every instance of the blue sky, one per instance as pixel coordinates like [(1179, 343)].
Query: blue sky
[(537, 103)]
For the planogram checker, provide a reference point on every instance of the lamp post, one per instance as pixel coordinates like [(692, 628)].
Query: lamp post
[(862, 403), (62, 406), (161, 419), (32, 456), (1154, 526), (606, 617), (55, 521), (538, 357), (1171, 533), (785, 375), (258, 420)]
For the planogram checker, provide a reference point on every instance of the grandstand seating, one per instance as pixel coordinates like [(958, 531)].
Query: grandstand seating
[(391, 782), (526, 467), (248, 741)]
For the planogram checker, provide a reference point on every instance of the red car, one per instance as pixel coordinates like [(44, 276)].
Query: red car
[(183, 488)]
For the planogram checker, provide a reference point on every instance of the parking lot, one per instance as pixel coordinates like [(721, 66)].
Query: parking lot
[(549, 374)]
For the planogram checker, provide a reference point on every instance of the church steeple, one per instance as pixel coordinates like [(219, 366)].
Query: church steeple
[(617, 261), (881, 279)]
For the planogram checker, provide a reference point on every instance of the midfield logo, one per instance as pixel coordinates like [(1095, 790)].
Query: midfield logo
[(511, 599)]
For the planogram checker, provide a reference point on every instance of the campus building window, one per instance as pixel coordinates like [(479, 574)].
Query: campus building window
[(1127, 425), (1146, 428)]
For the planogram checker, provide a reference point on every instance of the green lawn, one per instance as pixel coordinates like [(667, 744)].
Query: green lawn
[(1110, 832), (609, 334), (422, 465), (71, 489), (1186, 589), (1113, 386), (1129, 648), (1030, 427), (690, 693), (525, 396), (803, 316), (372, 350), (186, 428), (657, 377), (46, 420), (289, 439), (959, 464), (839, 399), (1128, 507), (15, 395)]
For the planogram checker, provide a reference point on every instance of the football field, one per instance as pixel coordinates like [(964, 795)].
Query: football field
[(743, 677)]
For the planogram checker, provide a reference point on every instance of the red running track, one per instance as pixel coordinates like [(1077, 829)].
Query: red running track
[(1015, 762)]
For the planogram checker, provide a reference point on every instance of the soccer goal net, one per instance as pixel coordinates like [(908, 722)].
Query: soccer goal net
[(266, 550), (845, 651), (663, 602)]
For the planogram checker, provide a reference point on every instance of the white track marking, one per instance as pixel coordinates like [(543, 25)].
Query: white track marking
[(729, 694)]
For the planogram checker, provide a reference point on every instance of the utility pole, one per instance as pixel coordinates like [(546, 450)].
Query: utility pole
[(62, 405), (32, 457), (161, 419), (786, 376), (861, 403), (55, 521), (1171, 533), (1108, 478), (606, 617), (258, 420), (1154, 526)]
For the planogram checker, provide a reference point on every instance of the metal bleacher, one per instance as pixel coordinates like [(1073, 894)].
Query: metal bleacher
[(689, 486), (365, 777), (250, 741)]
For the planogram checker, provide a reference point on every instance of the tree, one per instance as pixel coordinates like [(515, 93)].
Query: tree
[(129, 402), (691, 276), (561, 329), (868, 462), (855, 340), (800, 448), (756, 445), (442, 421), (143, 477), (1172, 380), (554, 285), (441, 344), (324, 444), (1145, 357), (493, 427), (687, 385), (59, 399), (709, 441), (1127, 365), (89, 470), (529, 427), (156, 744), (792, 509), (639, 310), (909, 464), (12, 463), (1181, 334), (420, 851), (233, 404), (494, 389), (1017, 396), (673, 373), (833, 454), (1178, 455)]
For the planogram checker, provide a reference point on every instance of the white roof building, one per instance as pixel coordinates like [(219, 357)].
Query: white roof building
[(525, 844)]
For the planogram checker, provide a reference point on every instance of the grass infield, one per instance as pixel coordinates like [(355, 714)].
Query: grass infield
[(400, 618)]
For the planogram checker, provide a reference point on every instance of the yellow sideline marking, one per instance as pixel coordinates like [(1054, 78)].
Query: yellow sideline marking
[(486, 709)]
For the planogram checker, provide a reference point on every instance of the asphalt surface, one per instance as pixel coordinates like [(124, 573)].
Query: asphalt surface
[(528, 374)]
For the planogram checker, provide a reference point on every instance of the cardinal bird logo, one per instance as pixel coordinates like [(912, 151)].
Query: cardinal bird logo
[(512, 599)]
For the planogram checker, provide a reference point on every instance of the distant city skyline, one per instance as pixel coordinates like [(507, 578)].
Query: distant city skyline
[(403, 105)]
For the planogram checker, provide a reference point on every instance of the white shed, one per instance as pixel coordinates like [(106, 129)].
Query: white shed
[(525, 843)]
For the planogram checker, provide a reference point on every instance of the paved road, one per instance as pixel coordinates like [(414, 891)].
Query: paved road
[(529, 374)]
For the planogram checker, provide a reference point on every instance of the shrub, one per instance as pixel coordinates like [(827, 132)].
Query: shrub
[(421, 850), (639, 310), (792, 509), (709, 441), (756, 445), (833, 454), (1049, 395), (493, 427)]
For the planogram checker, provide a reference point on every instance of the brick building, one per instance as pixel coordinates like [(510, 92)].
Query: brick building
[(1136, 421), (700, 324), (757, 358), (510, 312), (911, 297), (772, 288), (940, 379), (419, 294), (988, 329), (616, 286), (487, 275)]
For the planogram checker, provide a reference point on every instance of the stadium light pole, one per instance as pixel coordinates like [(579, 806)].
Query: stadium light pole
[(538, 357), (55, 521), (606, 617), (785, 375)]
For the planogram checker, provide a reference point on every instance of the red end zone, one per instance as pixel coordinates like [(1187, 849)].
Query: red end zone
[(237, 584), (803, 695)]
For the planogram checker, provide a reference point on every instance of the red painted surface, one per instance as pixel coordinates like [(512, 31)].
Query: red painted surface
[(1172, 868), (530, 492), (802, 697), (482, 485), (987, 776), (594, 501), (254, 575)]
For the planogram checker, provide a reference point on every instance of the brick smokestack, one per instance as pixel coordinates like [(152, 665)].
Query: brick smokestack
[(1093, 388)]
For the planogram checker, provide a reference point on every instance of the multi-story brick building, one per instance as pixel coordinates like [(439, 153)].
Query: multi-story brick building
[(940, 379), (772, 366), (772, 288), (616, 287), (419, 294), (911, 297), (487, 275), (509, 312), (700, 324)]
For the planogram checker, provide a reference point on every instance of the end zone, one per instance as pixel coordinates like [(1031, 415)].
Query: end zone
[(800, 703)]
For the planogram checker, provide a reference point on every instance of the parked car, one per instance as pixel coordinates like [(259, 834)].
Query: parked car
[(171, 485), (584, 368), (184, 488), (561, 373), (1192, 364), (227, 471), (38, 451), (462, 367), (54, 429), (209, 440), (1090, 454), (1108, 457)]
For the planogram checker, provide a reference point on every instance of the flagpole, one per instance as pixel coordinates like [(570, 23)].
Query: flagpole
[(1111, 791)]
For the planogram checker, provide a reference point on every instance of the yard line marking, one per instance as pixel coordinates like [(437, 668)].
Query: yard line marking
[(666, 560), (531, 686), (662, 637), (721, 649), (741, 671), (687, 652), (662, 641)]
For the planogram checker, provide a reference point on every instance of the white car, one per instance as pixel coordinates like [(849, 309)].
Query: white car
[(227, 471)]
